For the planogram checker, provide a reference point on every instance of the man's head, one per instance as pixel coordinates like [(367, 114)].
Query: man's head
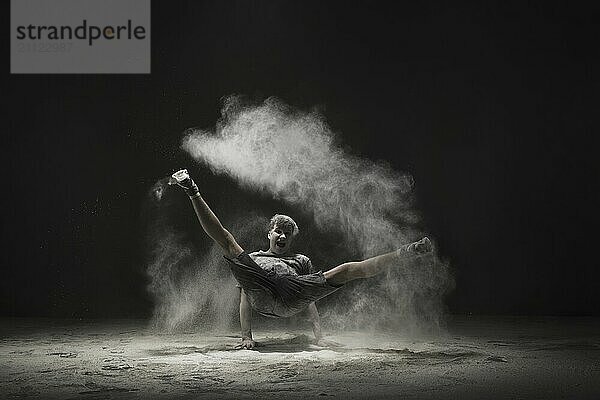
[(282, 231)]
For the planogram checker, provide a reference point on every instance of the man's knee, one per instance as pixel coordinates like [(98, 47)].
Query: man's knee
[(346, 272)]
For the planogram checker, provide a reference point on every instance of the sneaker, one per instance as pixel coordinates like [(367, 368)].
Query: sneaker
[(179, 178)]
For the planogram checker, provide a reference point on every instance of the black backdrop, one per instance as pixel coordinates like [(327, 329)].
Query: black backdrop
[(490, 107)]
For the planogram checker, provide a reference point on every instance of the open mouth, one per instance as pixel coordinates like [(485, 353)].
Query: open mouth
[(281, 245)]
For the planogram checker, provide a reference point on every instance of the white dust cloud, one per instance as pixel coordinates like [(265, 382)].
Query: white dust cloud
[(294, 157), (190, 292), (192, 286)]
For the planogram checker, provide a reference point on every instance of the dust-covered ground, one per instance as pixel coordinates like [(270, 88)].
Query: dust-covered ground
[(525, 358)]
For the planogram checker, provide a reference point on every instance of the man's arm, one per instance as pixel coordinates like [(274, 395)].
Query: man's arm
[(313, 313), (246, 322), (313, 317), (209, 221)]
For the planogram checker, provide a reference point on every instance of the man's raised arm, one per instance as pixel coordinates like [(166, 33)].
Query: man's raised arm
[(209, 221)]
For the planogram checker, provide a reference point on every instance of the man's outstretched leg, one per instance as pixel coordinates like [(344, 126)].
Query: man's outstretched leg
[(372, 266)]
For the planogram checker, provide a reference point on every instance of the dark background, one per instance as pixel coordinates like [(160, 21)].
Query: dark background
[(490, 106)]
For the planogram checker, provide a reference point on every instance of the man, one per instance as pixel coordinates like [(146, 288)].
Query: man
[(278, 282)]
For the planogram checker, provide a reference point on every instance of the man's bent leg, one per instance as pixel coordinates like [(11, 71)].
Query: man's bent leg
[(372, 266)]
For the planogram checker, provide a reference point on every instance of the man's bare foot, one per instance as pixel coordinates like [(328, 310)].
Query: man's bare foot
[(418, 248)]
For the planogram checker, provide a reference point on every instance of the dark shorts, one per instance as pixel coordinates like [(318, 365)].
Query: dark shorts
[(276, 295)]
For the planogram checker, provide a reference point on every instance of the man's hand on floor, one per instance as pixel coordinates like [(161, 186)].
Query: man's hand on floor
[(327, 343), (247, 344)]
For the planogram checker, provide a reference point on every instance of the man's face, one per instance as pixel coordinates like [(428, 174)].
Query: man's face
[(280, 239)]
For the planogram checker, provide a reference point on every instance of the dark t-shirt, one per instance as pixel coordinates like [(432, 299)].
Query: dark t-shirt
[(294, 264), (279, 286)]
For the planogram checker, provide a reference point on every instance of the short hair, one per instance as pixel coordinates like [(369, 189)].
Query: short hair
[(284, 221)]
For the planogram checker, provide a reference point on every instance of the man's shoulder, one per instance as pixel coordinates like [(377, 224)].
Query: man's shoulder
[(302, 260)]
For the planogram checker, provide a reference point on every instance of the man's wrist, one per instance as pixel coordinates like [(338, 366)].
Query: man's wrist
[(193, 196), (247, 335), (317, 331)]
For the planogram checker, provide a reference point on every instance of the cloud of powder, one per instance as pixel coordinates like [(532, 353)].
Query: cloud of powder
[(192, 288), (294, 157), (189, 292)]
